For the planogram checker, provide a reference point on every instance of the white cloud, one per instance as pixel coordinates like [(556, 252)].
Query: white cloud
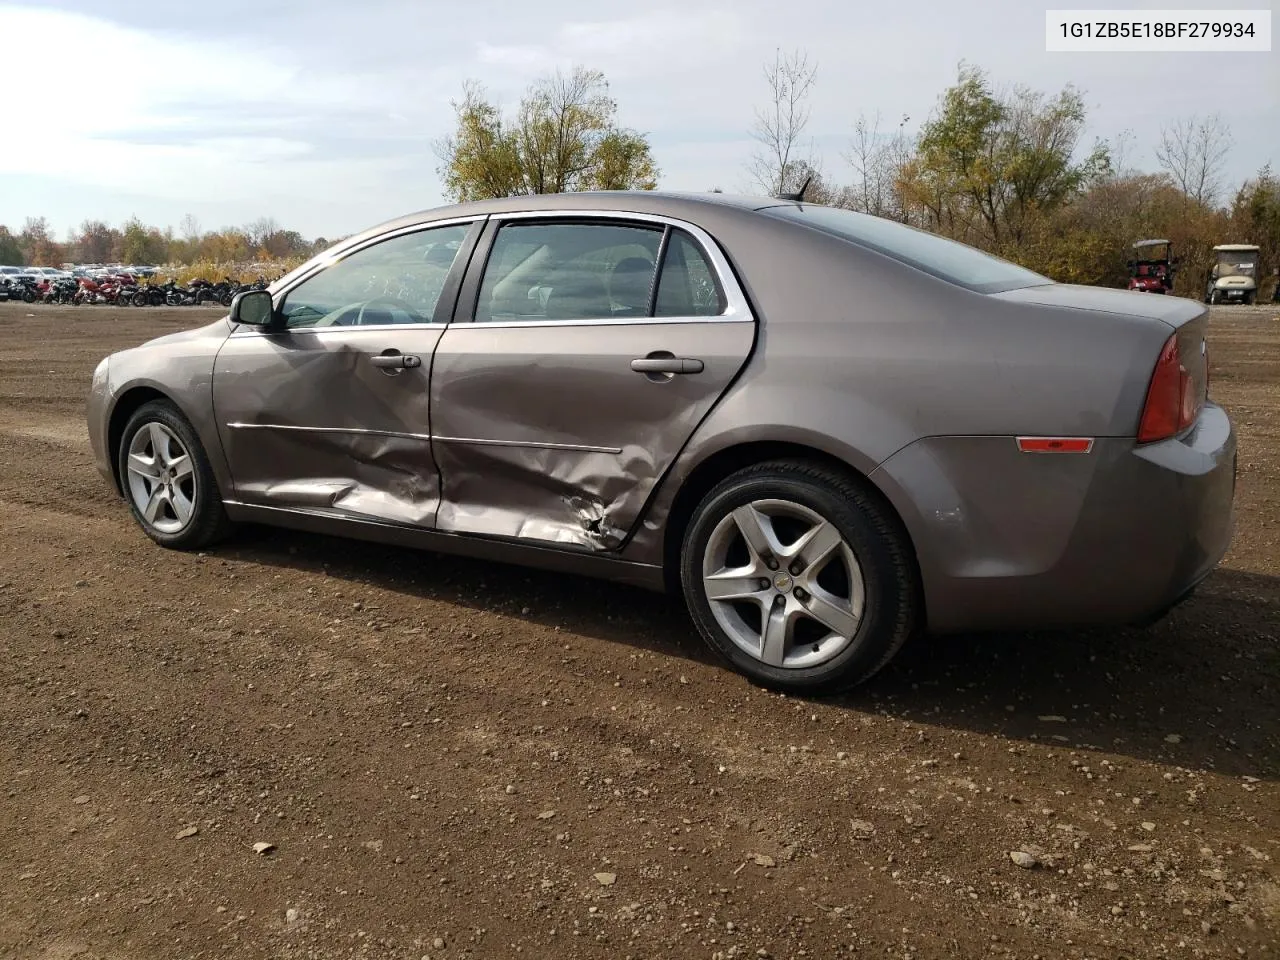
[(321, 113)]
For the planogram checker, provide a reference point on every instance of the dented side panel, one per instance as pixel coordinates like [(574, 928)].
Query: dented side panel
[(308, 421), (545, 433)]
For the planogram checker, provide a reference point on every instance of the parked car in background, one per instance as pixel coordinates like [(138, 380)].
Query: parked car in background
[(826, 430)]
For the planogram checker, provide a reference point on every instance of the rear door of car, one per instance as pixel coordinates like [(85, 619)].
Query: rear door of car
[(584, 352)]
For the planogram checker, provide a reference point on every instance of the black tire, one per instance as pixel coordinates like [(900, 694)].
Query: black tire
[(890, 582), (139, 299), (1247, 299), (29, 296), (208, 522)]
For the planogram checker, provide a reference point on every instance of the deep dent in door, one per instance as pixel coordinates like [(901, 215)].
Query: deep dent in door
[(321, 431), (386, 479), (582, 492)]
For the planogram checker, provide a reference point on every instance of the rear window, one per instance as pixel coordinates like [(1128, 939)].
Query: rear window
[(946, 259)]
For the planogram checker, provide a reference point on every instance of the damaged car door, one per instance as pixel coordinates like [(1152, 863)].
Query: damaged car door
[(329, 408), (585, 351)]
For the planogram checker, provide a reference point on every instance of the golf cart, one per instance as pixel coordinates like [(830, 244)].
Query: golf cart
[(1152, 267), (1234, 278)]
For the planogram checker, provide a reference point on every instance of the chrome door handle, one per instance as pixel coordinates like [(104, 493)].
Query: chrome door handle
[(396, 361), (666, 365)]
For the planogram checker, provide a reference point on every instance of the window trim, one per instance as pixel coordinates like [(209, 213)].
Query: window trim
[(448, 293), (737, 309)]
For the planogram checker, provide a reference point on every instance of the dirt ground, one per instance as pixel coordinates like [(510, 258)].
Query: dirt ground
[(455, 759)]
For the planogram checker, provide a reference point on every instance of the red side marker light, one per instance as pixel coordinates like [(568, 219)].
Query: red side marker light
[(1055, 444)]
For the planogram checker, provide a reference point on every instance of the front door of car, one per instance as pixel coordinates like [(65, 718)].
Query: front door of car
[(584, 353), (330, 409)]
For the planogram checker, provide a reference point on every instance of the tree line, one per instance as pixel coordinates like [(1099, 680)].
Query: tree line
[(1006, 169), (1009, 171), (138, 244)]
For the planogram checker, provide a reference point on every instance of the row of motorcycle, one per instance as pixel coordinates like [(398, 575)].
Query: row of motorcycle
[(126, 290)]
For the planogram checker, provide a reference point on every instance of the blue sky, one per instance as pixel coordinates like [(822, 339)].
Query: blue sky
[(322, 114)]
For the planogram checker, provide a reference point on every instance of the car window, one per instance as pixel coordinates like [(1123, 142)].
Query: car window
[(949, 260), (687, 286), (569, 271), (396, 281)]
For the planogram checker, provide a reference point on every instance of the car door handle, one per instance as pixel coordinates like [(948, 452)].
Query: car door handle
[(666, 365), (396, 361)]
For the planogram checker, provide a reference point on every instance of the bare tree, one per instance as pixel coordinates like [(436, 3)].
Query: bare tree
[(780, 125), (190, 227), (877, 160), (1192, 151)]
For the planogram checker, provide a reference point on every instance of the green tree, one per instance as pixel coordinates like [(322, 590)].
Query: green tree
[(10, 249), (988, 164), (143, 245), (563, 138), (1255, 217)]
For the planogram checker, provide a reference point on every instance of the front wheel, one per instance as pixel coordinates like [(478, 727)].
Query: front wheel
[(168, 480), (800, 577)]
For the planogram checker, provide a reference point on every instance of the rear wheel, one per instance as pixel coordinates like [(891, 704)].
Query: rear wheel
[(168, 481), (799, 577)]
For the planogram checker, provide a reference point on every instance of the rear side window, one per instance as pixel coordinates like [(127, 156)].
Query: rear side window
[(568, 271), (687, 286), (946, 259)]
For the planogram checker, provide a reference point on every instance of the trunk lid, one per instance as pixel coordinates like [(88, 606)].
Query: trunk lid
[(1175, 311)]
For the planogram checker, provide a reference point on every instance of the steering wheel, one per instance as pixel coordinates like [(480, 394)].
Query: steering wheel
[(393, 301)]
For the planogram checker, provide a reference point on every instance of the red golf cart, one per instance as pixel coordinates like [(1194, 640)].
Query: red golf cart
[(1152, 267)]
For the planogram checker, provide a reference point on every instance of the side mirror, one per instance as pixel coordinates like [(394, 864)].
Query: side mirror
[(253, 307)]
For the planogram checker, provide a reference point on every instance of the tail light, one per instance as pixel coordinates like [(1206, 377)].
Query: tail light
[(1172, 401)]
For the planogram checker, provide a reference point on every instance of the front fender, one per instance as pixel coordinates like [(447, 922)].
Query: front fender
[(178, 368)]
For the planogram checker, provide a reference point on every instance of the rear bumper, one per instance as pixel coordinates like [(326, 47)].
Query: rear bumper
[(1018, 541)]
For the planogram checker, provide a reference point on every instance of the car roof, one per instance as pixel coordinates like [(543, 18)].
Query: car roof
[(1237, 247), (674, 204), (1150, 243)]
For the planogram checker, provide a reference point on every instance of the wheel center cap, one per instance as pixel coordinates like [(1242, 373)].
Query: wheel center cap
[(782, 582)]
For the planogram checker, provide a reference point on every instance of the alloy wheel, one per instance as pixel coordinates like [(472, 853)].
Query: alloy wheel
[(162, 478), (783, 583)]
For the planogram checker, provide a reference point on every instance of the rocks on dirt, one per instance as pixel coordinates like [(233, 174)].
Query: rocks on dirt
[(862, 829), (263, 847), (186, 832), (1023, 859), (606, 879)]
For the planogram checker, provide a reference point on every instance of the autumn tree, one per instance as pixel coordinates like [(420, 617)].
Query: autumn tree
[(780, 124), (563, 137), (96, 242), (37, 243)]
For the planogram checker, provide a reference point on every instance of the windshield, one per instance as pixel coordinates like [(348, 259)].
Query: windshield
[(948, 260), (1237, 263)]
